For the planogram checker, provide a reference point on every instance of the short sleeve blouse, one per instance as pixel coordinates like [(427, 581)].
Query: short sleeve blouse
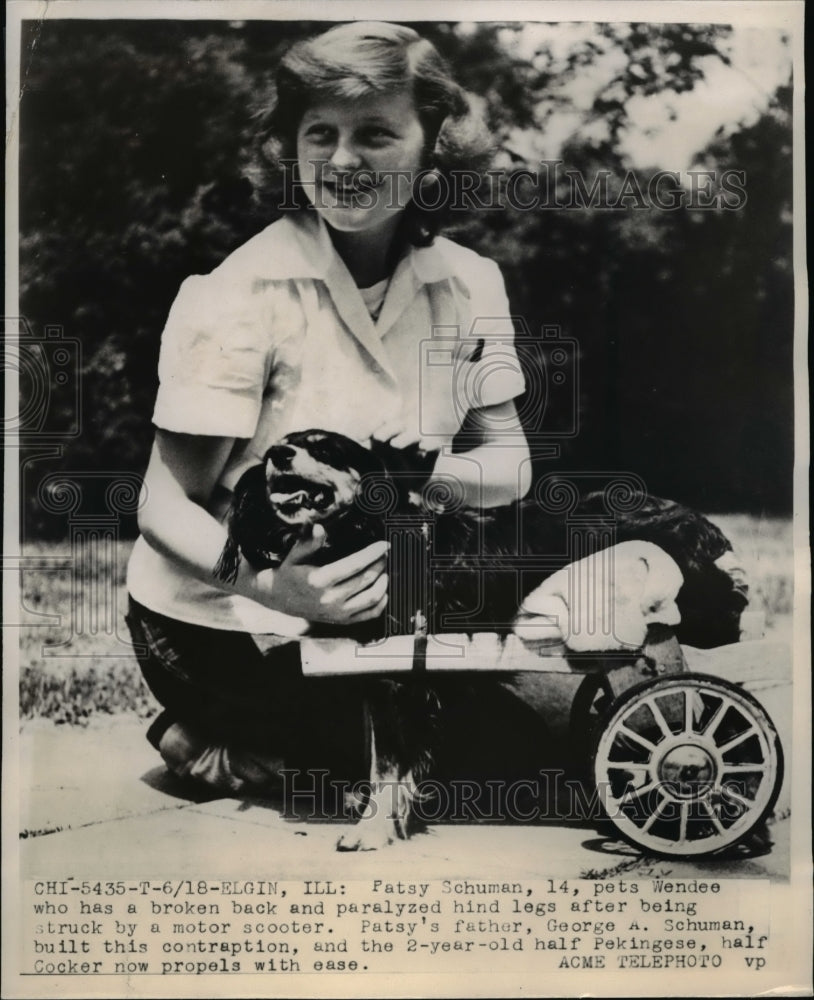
[(278, 338)]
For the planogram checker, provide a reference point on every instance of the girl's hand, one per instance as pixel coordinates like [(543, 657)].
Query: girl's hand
[(393, 432), (353, 589)]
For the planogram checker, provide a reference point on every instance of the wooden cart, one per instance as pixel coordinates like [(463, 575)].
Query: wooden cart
[(684, 763)]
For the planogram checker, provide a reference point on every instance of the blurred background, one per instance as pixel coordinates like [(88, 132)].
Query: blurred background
[(136, 159)]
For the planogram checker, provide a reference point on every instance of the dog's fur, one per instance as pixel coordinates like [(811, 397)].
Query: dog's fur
[(457, 570)]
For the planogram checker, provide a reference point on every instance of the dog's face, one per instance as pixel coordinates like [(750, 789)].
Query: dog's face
[(312, 475), (306, 478)]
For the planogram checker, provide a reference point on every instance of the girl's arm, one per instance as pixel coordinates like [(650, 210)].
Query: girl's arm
[(178, 484), (497, 470)]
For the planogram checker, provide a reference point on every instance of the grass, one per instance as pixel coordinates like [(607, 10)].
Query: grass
[(74, 666), (75, 657), (766, 548)]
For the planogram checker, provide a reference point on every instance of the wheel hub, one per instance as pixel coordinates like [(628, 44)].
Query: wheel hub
[(687, 771)]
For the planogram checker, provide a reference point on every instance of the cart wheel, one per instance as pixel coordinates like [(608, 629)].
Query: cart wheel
[(687, 765), (593, 700)]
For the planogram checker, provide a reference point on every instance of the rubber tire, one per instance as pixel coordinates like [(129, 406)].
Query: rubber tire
[(606, 822)]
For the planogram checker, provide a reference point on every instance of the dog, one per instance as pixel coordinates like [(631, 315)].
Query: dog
[(452, 569)]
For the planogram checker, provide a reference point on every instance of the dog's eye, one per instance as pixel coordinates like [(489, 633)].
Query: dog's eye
[(328, 456)]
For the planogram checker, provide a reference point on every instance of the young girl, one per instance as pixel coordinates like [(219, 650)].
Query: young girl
[(347, 314)]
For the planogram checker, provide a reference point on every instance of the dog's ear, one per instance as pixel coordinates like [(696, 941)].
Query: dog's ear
[(229, 561), (247, 508)]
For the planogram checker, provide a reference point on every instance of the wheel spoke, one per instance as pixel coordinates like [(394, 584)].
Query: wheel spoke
[(630, 765), (635, 793), (685, 815), (713, 816), (737, 797), (655, 815), (759, 768), (718, 715), (689, 727), (632, 734), (652, 704), (737, 740)]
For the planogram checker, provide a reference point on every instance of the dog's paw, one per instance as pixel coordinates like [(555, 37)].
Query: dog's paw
[(363, 839), (369, 834), (353, 803), (384, 818)]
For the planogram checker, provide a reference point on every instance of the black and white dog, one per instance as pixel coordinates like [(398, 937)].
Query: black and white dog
[(452, 569)]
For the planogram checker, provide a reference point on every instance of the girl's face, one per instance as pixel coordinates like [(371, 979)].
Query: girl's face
[(357, 159)]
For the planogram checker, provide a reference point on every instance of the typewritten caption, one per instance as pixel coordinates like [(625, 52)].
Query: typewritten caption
[(210, 927)]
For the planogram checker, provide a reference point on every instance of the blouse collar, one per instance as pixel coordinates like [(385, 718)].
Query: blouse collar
[(302, 249), (306, 251)]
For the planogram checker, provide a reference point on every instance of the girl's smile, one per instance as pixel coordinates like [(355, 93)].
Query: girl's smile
[(357, 159)]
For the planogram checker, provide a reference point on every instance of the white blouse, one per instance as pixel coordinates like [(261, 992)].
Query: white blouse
[(373, 297), (278, 338)]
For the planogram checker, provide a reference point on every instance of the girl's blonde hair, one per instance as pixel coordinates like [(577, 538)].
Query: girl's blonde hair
[(362, 58)]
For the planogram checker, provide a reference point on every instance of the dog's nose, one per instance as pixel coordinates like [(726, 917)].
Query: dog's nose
[(281, 455)]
